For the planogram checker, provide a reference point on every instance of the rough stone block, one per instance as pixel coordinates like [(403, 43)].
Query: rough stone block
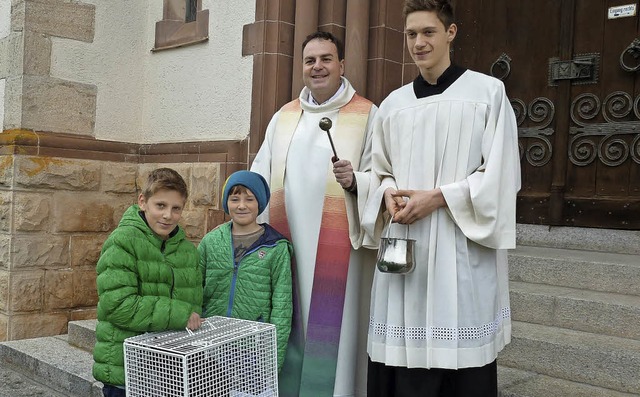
[(58, 289), (13, 103), (56, 173), (4, 290), (120, 205), (85, 250), (17, 15), (85, 292), (11, 50), (83, 314), (32, 212), (6, 171), (193, 223), (204, 184), (37, 54), (82, 213), (51, 104), (25, 290), (43, 252), (5, 211), (119, 178), (215, 217), (5, 254), (61, 18), (35, 325), (4, 327)]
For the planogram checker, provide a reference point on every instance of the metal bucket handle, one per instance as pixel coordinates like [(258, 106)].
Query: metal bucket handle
[(388, 232)]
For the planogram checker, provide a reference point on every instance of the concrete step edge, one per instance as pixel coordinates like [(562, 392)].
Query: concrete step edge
[(56, 361), (513, 382), (583, 310), (598, 360), (562, 268), (589, 239), (82, 334), (576, 255)]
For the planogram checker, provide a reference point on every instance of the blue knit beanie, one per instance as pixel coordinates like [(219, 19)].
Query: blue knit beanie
[(252, 181)]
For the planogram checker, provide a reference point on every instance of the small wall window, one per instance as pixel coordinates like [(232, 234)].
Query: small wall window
[(184, 22), (192, 10)]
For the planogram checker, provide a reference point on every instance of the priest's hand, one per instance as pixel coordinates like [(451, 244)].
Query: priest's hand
[(343, 170), (421, 204), (393, 202)]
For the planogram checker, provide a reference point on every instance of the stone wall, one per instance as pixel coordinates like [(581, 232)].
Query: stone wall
[(60, 197)]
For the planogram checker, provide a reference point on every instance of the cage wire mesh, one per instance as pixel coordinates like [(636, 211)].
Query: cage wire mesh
[(226, 357)]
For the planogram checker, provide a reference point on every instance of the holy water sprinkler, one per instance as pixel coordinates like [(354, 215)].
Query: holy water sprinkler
[(325, 125)]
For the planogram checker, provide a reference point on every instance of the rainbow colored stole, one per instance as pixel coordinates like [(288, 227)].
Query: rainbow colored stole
[(310, 363)]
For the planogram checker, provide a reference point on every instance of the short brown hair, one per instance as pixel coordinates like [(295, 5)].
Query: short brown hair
[(442, 8), (164, 179), (329, 37), (238, 189)]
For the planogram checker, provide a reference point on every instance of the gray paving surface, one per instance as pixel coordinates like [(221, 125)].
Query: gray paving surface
[(15, 384)]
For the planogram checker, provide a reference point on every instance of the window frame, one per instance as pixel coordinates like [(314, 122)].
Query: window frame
[(173, 31)]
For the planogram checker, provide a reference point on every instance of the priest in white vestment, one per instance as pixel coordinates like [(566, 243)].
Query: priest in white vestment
[(319, 197), (447, 170)]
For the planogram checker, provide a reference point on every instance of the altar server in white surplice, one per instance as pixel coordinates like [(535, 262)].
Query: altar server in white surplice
[(446, 166)]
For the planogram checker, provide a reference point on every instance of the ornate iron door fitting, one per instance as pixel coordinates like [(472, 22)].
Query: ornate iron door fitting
[(582, 69), (504, 63), (612, 142), (634, 51), (538, 150)]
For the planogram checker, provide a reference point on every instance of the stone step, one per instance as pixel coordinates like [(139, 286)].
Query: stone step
[(597, 271), (82, 334), (517, 383), (61, 365), (586, 239), (14, 383), (595, 312), (602, 361)]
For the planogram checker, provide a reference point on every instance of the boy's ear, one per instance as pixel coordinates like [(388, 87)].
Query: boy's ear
[(451, 32), (142, 202)]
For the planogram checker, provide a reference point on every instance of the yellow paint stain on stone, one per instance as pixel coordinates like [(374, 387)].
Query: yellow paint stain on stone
[(18, 136), (18, 140), (42, 163)]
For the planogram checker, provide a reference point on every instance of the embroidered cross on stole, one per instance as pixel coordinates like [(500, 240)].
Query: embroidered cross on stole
[(310, 364)]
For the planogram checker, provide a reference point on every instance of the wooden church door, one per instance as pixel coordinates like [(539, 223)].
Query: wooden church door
[(572, 72)]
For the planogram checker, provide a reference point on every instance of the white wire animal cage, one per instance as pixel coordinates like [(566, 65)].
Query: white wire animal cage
[(226, 357)]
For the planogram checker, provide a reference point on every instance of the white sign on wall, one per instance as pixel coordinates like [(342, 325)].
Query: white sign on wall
[(628, 10)]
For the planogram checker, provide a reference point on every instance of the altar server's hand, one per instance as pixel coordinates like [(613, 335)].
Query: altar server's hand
[(421, 204), (392, 202), (343, 170)]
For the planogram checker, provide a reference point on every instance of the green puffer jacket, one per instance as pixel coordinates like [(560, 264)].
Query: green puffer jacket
[(144, 284), (258, 288)]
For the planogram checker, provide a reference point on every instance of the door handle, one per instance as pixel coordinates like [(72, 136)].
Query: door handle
[(504, 62), (632, 49)]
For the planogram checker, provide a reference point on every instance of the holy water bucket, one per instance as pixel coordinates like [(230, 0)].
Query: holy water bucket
[(396, 255)]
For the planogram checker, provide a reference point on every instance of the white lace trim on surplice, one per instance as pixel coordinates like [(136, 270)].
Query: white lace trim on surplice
[(439, 333)]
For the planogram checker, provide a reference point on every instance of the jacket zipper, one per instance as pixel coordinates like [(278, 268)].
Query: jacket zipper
[(173, 276)]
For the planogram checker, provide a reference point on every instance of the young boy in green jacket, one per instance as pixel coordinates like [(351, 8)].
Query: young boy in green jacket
[(247, 266), (148, 277)]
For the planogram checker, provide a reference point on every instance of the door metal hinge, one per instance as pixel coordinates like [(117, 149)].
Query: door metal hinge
[(582, 69)]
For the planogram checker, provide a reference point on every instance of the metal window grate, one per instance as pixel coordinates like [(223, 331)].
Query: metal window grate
[(191, 10), (225, 357)]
